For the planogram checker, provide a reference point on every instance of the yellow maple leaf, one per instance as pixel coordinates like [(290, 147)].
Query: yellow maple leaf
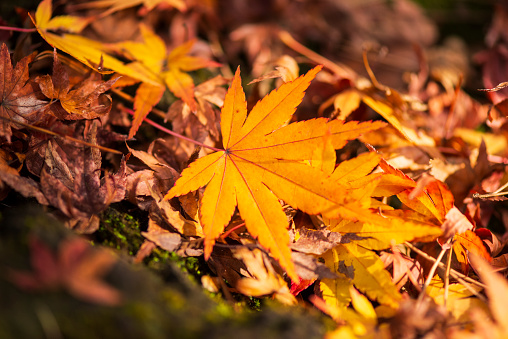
[(360, 321), (68, 23), (459, 300), (169, 69), (262, 279), (385, 101), (364, 269), (356, 168), (89, 52), (377, 236), (263, 162)]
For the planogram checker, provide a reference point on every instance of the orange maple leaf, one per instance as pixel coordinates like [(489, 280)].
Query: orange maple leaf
[(468, 242), (435, 200), (262, 162)]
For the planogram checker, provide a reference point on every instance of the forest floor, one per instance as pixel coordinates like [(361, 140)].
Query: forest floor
[(207, 169)]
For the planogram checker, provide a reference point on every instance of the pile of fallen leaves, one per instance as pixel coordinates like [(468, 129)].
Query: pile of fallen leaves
[(380, 205)]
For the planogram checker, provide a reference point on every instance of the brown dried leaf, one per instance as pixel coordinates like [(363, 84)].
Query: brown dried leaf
[(226, 265), (174, 218), (286, 68), (84, 225), (136, 186), (309, 268), (455, 223), (162, 170), (75, 186), (144, 251), (500, 262), (20, 99), (27, 187), (469, 175), (415, 320), (84, 100), (205, 120), (490, 240), (404, 268), (161, 237), (317, 241)]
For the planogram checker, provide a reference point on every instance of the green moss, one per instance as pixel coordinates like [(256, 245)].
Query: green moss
[(119, 231), (122, 232), (254, 303), (171, 307), (194, 267)]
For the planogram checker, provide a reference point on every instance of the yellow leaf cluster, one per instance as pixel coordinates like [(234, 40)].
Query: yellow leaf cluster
[(150, 62)]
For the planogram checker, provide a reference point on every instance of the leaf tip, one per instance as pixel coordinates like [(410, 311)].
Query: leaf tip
[(209, 243)]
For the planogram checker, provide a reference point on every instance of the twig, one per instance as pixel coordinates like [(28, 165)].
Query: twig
[(447, 276), (496, 193), (472, 290), (448, 272), (371, 74), (46, 131), (340, 70), (445, 247), (453, 273)]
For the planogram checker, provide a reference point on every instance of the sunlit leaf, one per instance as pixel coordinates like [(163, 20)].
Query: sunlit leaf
[(365, 270), (262, 163)]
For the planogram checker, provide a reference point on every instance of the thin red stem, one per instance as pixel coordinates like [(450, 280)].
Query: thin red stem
[(164, 129), (16, 29), (226, 234)]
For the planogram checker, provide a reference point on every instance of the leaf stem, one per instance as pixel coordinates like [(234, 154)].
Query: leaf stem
[(447, 276), (168, 131), (17, 29), (228, 232), (340, 70), (433, 269), (371, 74)]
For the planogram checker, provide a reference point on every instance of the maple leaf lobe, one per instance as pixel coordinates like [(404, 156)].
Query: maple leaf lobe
[(19, 98)]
